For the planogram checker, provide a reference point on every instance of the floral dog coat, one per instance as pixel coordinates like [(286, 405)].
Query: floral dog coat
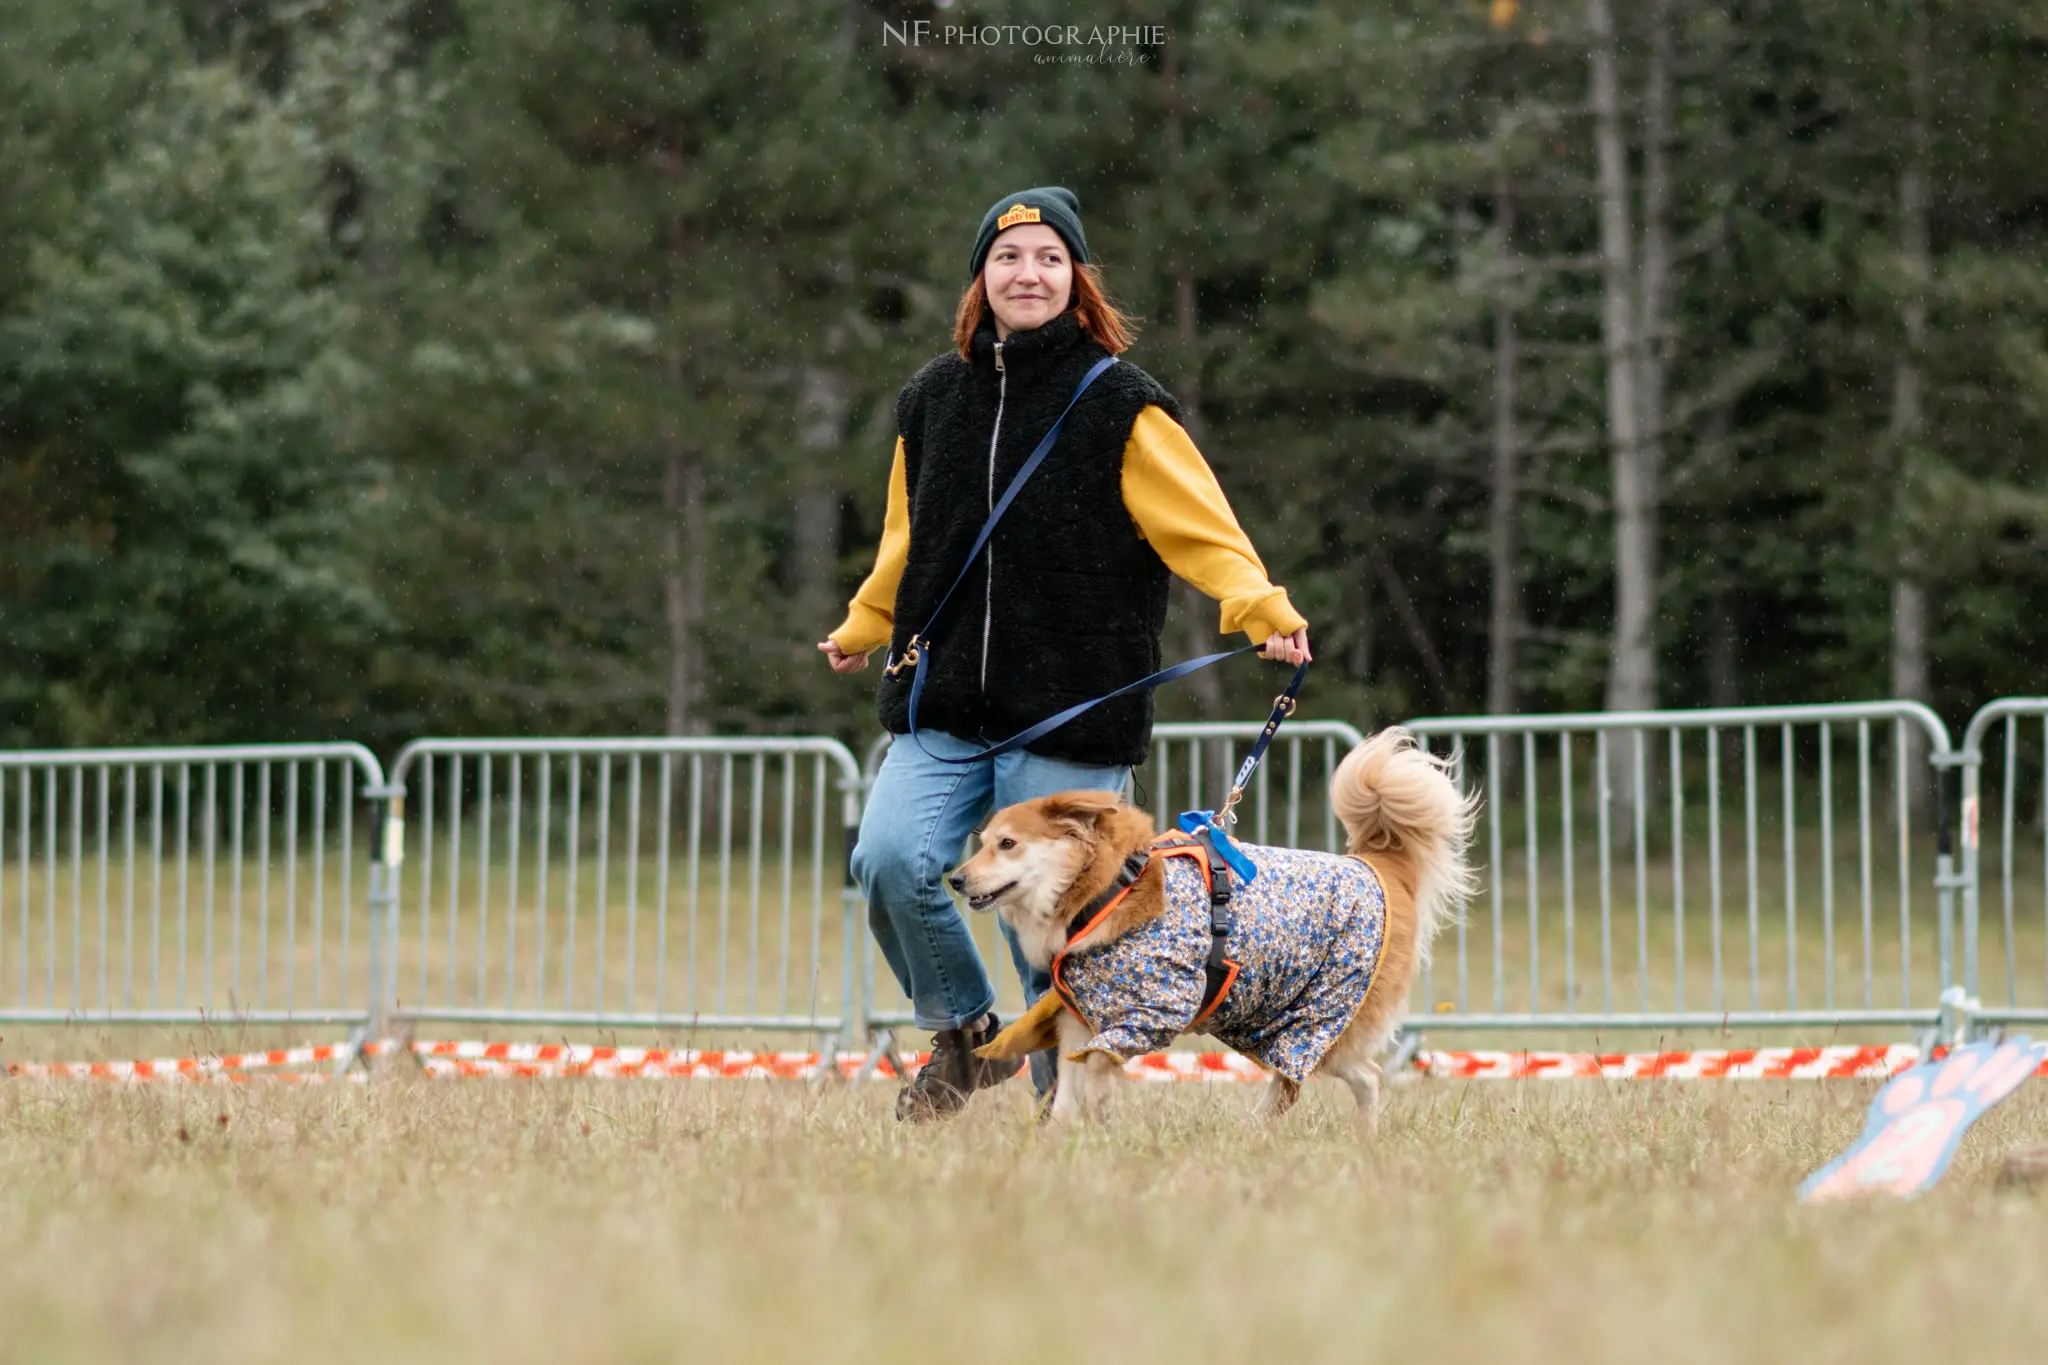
[(1307, 939)]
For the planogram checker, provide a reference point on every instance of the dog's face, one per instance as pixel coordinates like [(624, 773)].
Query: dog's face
[(1031, 854)]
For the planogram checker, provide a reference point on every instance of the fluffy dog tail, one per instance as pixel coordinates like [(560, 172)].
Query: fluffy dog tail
[(1397, 799)]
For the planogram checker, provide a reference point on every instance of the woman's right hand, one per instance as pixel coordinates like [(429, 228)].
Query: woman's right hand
[(1288, 649), (841, 661)]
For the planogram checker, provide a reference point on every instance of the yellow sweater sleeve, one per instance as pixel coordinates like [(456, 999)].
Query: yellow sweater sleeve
[(1172, 495), (871, 615)]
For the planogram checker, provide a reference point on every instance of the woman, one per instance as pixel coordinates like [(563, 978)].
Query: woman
[(1066, 603)]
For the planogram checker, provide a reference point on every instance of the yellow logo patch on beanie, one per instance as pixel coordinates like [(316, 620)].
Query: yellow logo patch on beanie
[(1017, 213)]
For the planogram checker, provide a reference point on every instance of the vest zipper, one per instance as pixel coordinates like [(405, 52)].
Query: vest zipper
[(988, 601)]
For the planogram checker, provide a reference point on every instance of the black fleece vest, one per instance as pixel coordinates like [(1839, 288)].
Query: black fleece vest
[(1068, 601)]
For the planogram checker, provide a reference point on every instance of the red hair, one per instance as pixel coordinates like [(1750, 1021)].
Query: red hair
[(1098, 317)]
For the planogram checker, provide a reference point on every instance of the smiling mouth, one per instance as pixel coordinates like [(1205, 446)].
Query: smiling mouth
[(984, 902)]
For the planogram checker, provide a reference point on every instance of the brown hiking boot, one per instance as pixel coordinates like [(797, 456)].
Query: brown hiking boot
[(941, 1087)]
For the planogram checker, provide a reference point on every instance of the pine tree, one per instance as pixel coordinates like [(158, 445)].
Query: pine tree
[(177, 384)]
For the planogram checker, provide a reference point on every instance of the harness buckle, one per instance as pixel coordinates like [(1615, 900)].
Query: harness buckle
[(1221, 921)]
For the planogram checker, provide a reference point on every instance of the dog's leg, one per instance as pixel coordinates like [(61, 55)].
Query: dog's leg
[(1278, 1097), (1066, 1095), (1100, 1074), (1364, 1079), (1072, 1086)]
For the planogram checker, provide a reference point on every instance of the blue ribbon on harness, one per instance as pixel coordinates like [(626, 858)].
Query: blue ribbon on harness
[(1214, 826), (1200, 822)]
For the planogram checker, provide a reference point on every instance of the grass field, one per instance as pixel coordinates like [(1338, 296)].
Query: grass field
[(663, 1221)]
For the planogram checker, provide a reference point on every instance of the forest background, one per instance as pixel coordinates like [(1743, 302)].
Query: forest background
[(376, 368)]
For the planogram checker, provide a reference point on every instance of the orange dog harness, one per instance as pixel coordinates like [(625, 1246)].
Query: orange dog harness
[(1219, 970)]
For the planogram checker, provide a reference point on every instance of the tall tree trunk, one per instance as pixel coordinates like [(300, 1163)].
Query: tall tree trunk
[(814, 576), (686, 524), (1654, 341), (1197, 612), (1359, 658), (1724, 662), (814, 542), (1505, 618), (1909, 669), (1412, 624), (685, 552), (1194, 609), (1632, 661), (1632, 656), (1653, 301), (687, 518)]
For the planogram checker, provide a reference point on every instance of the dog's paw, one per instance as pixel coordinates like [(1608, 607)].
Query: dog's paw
[(1033, 1031)]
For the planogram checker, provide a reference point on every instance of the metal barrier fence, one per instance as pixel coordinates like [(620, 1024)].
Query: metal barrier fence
[(187, 885), (1807, 911), (1190, 767), (696, 885), (1674, 870), (2006, 977)]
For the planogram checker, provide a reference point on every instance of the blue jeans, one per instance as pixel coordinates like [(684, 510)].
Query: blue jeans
[(918, 816)]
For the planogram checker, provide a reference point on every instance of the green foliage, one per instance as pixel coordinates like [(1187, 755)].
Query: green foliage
[(178, 395), (361, 361)]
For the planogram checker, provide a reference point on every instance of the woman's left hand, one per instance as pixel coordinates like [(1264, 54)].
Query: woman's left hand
[(841, 661), (1288, 649)]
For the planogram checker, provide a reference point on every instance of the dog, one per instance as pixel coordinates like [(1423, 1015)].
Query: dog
[(1323, 952)]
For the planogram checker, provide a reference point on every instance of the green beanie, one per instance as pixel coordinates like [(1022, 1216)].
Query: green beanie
[(1053, 205)]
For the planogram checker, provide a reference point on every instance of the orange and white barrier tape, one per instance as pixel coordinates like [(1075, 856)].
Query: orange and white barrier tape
[(649, 1063), (1788, 1063), (232, 1065), (507, 1060), (678, 1065), (1194, 1066), (464, 1058)]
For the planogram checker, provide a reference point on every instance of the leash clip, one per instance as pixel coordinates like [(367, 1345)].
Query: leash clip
[(909, 659)]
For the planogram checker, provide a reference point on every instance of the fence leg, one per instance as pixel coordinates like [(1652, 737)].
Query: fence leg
[(1407, 1047), (1973, 778), (853, 1003), (827, 1069), (882, 1050), (387, 857), (1958, 978), (355, 1054), (1959, 1011)]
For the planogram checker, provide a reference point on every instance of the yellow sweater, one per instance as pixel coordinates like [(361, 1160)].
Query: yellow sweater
[(1177, 506)]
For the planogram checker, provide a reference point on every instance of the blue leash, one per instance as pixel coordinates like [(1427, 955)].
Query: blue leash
[(1054, 722), (1212, 827)]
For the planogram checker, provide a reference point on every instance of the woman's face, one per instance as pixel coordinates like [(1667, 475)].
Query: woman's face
[(1029, 276)]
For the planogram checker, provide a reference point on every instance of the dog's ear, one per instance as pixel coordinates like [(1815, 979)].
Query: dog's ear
[(1033, 1031), (1077, 811)]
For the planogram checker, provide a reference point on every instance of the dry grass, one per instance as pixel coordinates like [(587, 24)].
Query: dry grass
[(739, 1222)]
